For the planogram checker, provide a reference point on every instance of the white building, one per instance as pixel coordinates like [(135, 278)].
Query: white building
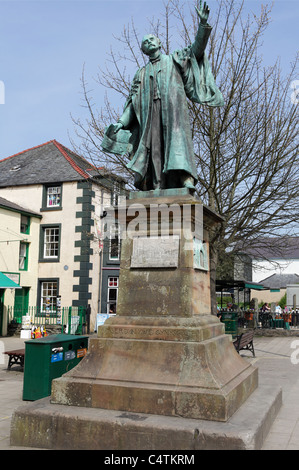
[(63, 195), (275, 264)]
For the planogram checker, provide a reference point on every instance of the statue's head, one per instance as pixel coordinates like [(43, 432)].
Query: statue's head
[(150, 44)]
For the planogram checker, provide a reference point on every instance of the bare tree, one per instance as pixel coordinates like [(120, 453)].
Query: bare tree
[(247, 151)]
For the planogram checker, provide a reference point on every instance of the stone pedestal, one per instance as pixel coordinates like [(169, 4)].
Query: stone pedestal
[(161, 374), (163, 353)]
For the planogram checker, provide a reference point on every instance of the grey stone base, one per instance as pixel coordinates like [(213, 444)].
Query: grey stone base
[(41, 424)]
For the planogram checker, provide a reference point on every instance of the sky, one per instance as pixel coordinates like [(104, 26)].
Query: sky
[(44, 45)]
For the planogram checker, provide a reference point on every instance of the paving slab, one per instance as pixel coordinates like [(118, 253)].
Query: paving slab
[(276, 370)]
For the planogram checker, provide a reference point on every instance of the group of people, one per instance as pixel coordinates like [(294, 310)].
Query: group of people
[(278, 310)]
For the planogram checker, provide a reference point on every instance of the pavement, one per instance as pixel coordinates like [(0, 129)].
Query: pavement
[(277, 359)]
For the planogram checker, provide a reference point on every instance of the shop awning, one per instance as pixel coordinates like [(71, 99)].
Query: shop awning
[(6, 283), (254, 285), (239, 284)]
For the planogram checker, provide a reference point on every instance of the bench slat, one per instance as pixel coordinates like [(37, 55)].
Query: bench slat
[(245, 341), (16, 356), (16, 352)]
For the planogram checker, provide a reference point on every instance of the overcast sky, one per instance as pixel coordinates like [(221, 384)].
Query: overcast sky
[(45, 43)]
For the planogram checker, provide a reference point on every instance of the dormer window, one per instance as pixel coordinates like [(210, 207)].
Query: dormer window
[(15, 168)]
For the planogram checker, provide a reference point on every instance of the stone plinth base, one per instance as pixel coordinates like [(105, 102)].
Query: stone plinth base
[(172, 366), (48, 426), (163, 354)]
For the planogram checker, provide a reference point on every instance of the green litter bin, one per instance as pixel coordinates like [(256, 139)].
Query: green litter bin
[(230, 320), (48, 358)]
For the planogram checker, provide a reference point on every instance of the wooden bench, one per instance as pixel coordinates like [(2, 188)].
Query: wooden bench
[(16, 357), (245, 342)]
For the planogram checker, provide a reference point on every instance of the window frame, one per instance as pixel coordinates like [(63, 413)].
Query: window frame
[(114, 230), (115, 193), (43, 310), (25, 257), (56, 194), (45, 206), (51, 243), (109, 289), (27, 225), (42, 251)]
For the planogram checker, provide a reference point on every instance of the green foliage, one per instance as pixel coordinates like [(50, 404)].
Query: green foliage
[(283, 301), (225, 301)]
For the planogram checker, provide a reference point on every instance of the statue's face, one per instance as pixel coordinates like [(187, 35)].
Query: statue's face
[(150, 44)]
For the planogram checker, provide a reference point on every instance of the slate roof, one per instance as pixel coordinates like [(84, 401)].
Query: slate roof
[(50, 162), (280, 281), (284, 248), (16, 208)]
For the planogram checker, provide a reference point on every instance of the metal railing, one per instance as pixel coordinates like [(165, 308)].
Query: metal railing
[(71, 319), (265, 320)]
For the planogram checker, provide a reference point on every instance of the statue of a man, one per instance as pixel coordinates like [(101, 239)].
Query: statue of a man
[(156, 111)]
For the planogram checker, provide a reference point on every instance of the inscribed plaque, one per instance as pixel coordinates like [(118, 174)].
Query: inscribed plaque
[(200, 255), (155, 252)]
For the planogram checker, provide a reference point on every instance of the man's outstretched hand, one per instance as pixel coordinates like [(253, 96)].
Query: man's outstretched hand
[(203, 12)]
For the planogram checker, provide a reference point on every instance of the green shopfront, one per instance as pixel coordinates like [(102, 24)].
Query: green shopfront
[(5, 283)]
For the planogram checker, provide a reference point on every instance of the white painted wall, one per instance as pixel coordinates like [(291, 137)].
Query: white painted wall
[(262, 269), (30, 198), (10, 237)]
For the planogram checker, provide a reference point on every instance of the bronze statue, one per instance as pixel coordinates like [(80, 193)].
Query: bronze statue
[(156, 113)]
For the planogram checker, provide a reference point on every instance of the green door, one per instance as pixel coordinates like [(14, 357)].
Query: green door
[(1, 309), (21, 303)]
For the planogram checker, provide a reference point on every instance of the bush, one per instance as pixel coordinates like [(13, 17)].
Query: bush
[(225, 301), (283, 301)]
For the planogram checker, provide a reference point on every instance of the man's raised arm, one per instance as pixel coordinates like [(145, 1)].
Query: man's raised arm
[(203, 32)]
